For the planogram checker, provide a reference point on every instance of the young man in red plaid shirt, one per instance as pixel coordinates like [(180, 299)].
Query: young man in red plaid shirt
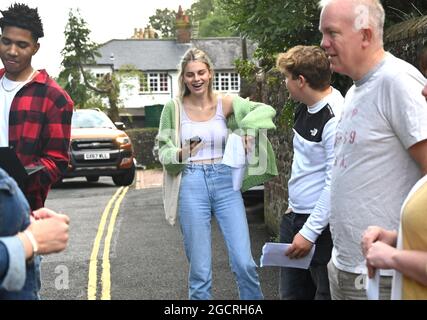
[(35, 112)]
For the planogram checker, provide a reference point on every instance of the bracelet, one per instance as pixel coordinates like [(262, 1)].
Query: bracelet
[(33, 241)]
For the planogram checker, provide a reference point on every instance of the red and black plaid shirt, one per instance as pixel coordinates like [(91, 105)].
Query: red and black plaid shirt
[(39, 132)]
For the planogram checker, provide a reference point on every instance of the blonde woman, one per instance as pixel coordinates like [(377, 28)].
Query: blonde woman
[(205, 188)]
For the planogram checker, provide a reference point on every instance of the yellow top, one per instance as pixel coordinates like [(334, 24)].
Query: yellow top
[(414, 230)]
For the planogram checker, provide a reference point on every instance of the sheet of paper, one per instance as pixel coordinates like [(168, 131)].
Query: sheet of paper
[(237, 175), (234, 153), (234, 157), (373, 286), (273, 254)]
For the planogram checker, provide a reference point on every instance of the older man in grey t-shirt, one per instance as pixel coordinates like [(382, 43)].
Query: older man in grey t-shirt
[(381, 145)]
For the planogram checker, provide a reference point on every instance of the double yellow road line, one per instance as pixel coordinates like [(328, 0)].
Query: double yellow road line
[(93, 265)]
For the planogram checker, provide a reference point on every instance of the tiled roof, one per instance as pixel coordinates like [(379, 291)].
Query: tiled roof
[(159, 55)]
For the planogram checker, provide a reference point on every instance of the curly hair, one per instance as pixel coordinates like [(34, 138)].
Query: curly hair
[(21, 16)]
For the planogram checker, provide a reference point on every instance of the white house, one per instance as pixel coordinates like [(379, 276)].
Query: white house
[(158, 60)]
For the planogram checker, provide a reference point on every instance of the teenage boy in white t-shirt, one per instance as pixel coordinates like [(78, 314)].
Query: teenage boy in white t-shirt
[(308, 78)]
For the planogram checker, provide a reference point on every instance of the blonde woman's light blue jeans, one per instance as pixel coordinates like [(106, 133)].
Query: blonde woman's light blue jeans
[(206, 190)]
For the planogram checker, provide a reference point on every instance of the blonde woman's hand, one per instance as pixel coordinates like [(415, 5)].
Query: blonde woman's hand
[(248, 144)]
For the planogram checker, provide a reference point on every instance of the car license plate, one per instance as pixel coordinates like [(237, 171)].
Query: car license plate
[(96, 156)]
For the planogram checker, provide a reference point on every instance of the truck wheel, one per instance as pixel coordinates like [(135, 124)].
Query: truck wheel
[(126, 178)]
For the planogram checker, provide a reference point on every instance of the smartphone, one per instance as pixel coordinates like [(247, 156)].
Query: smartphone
[(195, 139)]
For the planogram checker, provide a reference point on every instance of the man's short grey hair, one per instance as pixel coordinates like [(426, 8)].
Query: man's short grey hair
[(367, 12)]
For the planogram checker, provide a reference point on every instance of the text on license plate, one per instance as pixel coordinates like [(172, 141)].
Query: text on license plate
[(96, 156)]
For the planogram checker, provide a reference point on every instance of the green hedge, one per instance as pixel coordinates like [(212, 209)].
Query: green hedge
[(143, 144)]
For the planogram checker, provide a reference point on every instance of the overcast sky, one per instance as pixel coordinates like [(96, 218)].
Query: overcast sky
[(106, 19)]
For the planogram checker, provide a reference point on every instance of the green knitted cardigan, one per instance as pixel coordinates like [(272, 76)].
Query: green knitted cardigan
[(246, 115)]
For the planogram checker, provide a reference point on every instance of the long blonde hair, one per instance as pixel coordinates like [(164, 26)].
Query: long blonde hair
[(194, 54)]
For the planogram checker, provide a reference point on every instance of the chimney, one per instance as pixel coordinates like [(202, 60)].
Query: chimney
[(183, 27), (151, 33), (146, 33), (138, 34)]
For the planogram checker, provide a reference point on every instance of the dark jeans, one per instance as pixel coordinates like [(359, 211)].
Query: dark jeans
[(301, 284)]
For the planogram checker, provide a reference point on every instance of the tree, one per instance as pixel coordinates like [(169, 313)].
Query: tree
[(202, 8), (79, 50), (398, 11), (164, 21), (212, 21), (279, 25), (216, 24), (274, 25)]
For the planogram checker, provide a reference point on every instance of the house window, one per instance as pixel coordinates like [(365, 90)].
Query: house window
[(154, 83), (227, 81), (234, 82)]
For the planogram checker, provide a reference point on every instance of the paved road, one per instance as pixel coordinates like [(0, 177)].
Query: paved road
[(146, 258)]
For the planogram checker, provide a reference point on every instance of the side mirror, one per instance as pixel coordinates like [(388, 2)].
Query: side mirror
[(120, 125)]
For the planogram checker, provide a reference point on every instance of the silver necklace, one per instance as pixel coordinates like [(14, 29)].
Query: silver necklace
[(20, 82)]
